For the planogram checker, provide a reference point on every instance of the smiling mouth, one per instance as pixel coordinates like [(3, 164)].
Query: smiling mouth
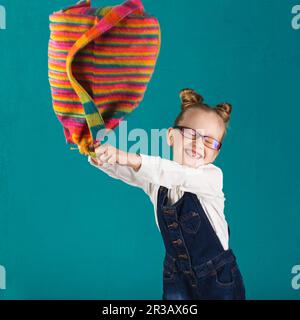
[(194, 155)]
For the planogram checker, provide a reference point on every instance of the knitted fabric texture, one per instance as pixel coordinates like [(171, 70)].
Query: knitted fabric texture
[(100, 61)]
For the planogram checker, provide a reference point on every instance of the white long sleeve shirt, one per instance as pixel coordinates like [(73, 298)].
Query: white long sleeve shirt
[(205, 181)]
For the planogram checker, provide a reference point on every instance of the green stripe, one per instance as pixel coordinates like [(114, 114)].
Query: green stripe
[(94, 130), (90, 108)]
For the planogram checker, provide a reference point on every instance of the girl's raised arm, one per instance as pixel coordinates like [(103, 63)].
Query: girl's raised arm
[(142, 170), (206, 180), (124, 173)]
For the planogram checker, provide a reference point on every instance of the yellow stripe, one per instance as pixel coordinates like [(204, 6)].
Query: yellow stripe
[(64, 98), (57, 76), (60, 27), (72, 19), (93, 119), (68, 109), (56, 67), (59, 85)]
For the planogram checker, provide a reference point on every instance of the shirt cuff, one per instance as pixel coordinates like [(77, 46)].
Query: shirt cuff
[(147, 167)]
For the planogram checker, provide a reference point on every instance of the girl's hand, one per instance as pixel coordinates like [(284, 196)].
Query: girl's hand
[(107, 153)]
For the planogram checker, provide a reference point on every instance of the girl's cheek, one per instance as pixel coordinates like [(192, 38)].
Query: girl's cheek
[(210, 155), (178, 146)]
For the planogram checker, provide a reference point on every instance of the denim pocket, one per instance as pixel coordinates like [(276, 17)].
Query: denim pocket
[(190, 221), (225, 275)]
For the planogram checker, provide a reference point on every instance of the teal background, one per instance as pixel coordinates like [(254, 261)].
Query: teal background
[(68, 231)]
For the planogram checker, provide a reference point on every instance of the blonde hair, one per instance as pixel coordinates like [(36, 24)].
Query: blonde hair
[(191, 99)]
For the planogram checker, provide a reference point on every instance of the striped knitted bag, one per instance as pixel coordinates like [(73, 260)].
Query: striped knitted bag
[(100, 61)]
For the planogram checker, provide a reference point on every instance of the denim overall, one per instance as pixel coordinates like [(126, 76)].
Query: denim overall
[(195, 266)]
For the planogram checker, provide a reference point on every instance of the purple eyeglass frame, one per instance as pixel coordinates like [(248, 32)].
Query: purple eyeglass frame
[(217, 144)]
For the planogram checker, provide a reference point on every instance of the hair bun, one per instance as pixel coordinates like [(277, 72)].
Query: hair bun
[(224, 110), (189, 97)]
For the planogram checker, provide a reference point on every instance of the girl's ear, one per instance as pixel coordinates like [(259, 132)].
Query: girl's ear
[(170, 138)]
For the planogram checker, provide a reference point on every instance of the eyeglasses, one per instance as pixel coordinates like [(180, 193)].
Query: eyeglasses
[(191, 133)]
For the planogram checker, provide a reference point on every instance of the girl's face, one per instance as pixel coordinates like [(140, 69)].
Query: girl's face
[(193, 152)]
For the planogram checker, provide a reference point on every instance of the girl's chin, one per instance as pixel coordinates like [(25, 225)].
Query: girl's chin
[(190, 162), (194, 163)]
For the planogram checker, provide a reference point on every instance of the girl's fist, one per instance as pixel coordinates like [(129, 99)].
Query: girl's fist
[(107, 153)]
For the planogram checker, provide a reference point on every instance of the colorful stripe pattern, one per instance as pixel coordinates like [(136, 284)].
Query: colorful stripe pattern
[(100, 62)]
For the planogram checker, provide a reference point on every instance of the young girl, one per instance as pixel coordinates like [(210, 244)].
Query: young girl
[(188, 201)]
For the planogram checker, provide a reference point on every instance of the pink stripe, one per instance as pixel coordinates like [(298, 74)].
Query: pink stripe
[(100, 79), (66, 34), (68, 121), (115, 97), (144, 58), (84, 28), (66, 94), (112, 123), (97, 70), (126, 39)]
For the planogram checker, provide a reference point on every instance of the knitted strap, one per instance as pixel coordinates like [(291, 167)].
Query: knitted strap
[(117, 13)]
